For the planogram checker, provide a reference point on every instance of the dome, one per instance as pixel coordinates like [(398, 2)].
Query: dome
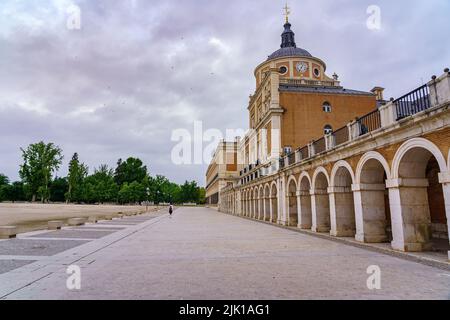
[(290, 51)]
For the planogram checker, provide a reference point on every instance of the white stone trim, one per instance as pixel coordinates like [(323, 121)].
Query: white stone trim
[(408, 183), (339, 164), (417, 143), (291, 178), (303, 175), (369, 156), (368, 187), (316, 173)]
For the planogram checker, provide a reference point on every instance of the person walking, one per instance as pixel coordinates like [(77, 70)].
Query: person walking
[(170, 210)]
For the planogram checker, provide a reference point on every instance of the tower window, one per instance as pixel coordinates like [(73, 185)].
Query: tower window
[(283, 70), (328, 129), (326, 107), (316, 72)]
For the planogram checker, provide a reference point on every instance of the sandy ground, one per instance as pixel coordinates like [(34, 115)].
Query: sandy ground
[(30, 217)]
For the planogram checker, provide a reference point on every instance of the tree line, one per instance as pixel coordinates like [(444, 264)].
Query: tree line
[(128, 183)]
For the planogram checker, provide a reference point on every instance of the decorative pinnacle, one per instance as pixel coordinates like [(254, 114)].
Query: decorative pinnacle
[(287, 12)]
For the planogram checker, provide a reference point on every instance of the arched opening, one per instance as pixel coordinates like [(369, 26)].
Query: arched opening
[(267, 204), (249, 203), (419, 221), (274, 204), (327, 130), (320, 204), (246, 203), (292, 203), (305, 214), (372, 208), (256, 202), (342, 208), (261, 204)]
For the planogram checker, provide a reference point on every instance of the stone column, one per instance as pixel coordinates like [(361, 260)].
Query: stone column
[(342, 216), (283, 213), (370, 215), (411, 222), (320, 212), (444, 179), (304, 210)]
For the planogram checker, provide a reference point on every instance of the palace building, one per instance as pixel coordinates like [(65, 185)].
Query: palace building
[(322, 157)]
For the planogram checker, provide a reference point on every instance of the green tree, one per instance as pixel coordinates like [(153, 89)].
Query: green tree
[(158, 189), (190, 192), (100, 187), (77, 173), (129, 171), (4, 184), (201, 196), (12, 192), (58, 189), (40, 161), (4, 180)]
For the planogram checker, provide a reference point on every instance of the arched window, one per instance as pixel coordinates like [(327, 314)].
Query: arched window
[(326, 107), (328, 129)]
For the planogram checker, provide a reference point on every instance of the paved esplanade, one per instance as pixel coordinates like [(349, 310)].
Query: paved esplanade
[(202, 254)]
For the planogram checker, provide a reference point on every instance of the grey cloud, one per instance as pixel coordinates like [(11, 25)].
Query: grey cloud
[(121, 84)]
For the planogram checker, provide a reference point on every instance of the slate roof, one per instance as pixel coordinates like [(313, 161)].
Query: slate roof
[(289, 51)]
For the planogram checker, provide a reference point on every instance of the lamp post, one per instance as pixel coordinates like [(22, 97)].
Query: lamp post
[(148, 195)]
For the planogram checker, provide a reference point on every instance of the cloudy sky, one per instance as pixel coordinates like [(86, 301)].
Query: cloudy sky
[(138, 69)]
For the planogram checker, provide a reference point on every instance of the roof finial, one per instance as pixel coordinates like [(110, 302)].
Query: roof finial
[(287, 12)]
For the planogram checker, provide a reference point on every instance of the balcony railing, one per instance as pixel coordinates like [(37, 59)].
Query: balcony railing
[(370, 122), (304, 82), (304, 152), (319, 145), (341, 135), (414, 102), (291, 158)]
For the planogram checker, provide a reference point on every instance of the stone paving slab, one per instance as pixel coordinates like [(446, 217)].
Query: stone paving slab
[(8, 265), (118, 223), (202, 254), (31, 247), (74, 234), (99, 228)]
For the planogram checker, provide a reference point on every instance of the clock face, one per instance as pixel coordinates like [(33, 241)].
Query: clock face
[(302, 67)]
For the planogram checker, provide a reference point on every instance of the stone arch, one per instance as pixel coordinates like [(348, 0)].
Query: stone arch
[(247, 204), (342, 208), (243, 203), (291, 200), (304, 209), (419, 217), (261, 202), (371, 155), (267, 202), (274, 202), (255, 203), (320, 202), (420, 144), (372, 205)]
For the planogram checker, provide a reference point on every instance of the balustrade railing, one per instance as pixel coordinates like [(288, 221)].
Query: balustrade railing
[(414, 102), (341, 135), (291, 158), (370, 122), (319, 145)]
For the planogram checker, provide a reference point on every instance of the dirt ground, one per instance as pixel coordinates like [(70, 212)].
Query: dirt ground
[(30, 217)]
